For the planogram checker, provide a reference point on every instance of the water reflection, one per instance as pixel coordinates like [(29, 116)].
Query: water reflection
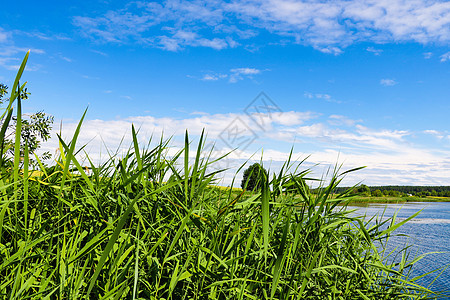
[(428, 232)]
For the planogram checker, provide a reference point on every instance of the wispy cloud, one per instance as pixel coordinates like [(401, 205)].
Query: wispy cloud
[(329, 50), (9, 53), (90, 77), (63, 57), (376, 52), (427, 55), (317, 96), (212, 76), (9, 60), (342, 120), (241, 73), (328, 26), (445, 57), (322, 96), (11, 50), (181, 39), (3, 35), (388, 82), (233, 75), (99, 52), (66, 59), (435, 133), (10, 63), (43, 36)]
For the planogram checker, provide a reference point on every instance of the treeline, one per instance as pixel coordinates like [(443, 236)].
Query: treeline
[(398, 190)]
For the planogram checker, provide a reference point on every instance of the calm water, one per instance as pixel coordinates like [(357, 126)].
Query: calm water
[(428, 232)]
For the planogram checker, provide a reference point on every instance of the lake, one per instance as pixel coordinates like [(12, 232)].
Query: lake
[(428, 232)]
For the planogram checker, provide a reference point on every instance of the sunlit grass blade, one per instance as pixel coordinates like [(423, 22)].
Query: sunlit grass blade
[(2, 134), (25, 183), (77, 165), (281, 256), (111, 242), (16, 84), (265, 198), (17, 143), (69, 154)]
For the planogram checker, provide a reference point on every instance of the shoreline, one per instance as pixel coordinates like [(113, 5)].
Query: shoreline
[(393, 200)]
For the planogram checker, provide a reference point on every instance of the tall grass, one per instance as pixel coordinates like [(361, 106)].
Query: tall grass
[(152, 226)]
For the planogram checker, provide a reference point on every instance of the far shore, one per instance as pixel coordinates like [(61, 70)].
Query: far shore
[(364, 200)]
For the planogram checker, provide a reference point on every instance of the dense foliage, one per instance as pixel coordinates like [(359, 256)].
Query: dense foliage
[(253, 177), (399, 190), (35, 128), (142, 227)]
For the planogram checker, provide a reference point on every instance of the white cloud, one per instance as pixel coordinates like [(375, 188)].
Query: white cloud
[(329, 50), (428, 55), (99, 52), (328, 26), (391, 134), (322, 96), (376, 52), (308, 95), (388, 82), (292, 118), (215, 124), (9, 63), (3, 35), (200, 113), (233, 76), (13, 64), (431, 131), (246, 71), (342, 120), (445, 57), (10, 53), (241, 73), (435, 133), (90, 77), (42, 36), (210, 77), (317, 130), (62, 57), (11, 50), (392, 156), (181, 39)]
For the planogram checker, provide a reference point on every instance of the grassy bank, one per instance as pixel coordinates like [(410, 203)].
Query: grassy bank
[(149, 226)]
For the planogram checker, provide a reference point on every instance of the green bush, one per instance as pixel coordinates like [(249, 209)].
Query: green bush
[(377, 193)]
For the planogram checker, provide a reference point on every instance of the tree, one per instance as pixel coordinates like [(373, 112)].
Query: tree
[(362, 190), (377, 193), (35, 128), (253, 176)]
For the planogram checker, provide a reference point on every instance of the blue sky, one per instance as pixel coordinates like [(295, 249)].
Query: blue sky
[(354, 82)]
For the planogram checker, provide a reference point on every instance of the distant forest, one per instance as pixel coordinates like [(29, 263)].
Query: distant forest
[(398, 190)]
